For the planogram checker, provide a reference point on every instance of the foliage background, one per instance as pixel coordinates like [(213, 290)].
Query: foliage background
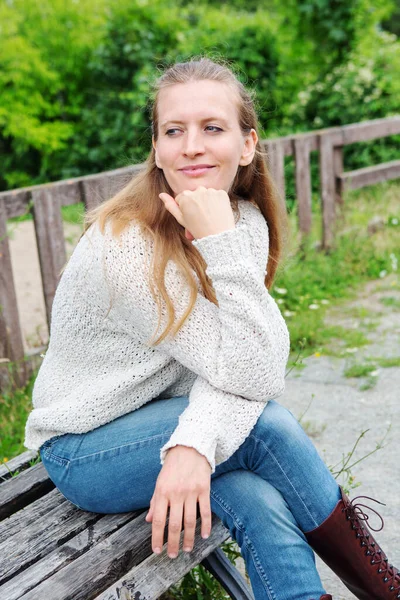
[(75, 77)]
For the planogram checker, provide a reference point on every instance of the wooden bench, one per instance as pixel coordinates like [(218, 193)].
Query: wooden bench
[(51, 550)]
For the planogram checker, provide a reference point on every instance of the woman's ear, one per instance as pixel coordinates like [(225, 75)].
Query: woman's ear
[(249, 148), (155, 152)]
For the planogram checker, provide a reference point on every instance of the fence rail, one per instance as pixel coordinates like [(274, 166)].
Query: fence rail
[(45, 202)]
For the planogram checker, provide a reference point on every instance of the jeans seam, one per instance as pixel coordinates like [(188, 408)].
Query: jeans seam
[(100, 452), (239, 525), (287, 478)]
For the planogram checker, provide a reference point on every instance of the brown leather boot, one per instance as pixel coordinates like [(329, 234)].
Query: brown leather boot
[(347, 546)]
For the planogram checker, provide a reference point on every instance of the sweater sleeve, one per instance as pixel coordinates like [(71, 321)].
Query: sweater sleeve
[(240, 346), (215, 423)]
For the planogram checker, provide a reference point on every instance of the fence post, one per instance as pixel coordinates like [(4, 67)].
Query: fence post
[(11, 341), (301, 151), (50, 242), (327, 187), (338, 170)]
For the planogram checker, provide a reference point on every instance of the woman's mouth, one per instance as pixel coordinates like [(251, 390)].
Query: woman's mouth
[(196, 171)]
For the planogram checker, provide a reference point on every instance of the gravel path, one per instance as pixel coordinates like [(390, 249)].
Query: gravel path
[(339, 409)]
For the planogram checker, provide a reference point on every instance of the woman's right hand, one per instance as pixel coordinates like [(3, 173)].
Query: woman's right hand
[(203, 212)]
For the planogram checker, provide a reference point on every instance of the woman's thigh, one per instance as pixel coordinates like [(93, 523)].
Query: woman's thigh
[(114, 468)]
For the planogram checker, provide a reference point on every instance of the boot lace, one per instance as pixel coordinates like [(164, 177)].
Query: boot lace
[(356, 515)]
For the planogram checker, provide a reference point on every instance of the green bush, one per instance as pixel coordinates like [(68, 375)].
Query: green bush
[(75, 77), (366, 87)]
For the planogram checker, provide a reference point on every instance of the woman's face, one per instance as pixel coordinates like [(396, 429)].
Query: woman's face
[(198, 125)]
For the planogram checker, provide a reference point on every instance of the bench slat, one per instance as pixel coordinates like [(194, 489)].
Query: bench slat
[(42, 536), (17, 463), (62, 555), (26, 487), (93, 572), (164, 571), (23, 519)]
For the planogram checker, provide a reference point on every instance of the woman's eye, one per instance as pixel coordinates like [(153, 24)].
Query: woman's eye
[(171, 131)]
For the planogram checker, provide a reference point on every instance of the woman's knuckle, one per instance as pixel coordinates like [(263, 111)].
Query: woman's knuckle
[(174, 526), (190, 522)]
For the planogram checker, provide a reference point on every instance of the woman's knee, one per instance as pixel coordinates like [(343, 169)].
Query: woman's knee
[(278, 423)]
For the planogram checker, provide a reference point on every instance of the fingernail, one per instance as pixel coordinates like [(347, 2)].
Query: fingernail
[(187, 549), (172, 555), (205, 536), (157, 550)]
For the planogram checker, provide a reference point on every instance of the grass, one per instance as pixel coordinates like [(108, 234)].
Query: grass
[(360, 370), (310, 281), (390, 301), (14, 408)]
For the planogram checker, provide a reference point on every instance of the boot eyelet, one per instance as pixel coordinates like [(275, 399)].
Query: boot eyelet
[(385, 579), (372, 562), (379, 570), (391, 588)]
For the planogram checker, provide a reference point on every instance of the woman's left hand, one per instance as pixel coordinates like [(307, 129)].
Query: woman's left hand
[(183, 481)]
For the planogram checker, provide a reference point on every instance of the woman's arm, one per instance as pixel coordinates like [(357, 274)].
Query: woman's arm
[(215, 423), (241, 346)]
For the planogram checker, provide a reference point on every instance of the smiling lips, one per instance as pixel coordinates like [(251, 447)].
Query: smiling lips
[(196, 170)]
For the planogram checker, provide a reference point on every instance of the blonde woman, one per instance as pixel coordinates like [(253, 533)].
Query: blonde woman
[(188, 420)]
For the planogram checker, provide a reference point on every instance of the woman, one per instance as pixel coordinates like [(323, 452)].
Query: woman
[(197, 236)]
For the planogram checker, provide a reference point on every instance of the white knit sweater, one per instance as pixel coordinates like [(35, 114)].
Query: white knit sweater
[(229, 359)]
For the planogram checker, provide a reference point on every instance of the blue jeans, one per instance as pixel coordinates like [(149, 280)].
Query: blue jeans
[(268, 493)]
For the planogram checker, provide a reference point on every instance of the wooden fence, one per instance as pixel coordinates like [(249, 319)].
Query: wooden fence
[(45, 202)]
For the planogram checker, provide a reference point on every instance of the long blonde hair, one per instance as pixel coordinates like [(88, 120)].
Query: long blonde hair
[(139, 199)]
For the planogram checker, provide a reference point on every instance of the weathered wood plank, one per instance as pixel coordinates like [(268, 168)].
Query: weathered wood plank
[(23, 518), (93, 572), (43, 535), (26, 487), (276, 163), (62, 555), (370, 175), (101, 187), (11, 342), (18, 463), (301, 148), (50, 242), (327, 188), (287, 141), (338, 170), (157, 573), (368, 130), (17, 201)]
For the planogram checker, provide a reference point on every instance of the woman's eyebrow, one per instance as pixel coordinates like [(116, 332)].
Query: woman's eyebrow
[(213, 118)]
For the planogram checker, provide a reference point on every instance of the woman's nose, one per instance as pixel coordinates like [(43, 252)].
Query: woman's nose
[(193, 143)]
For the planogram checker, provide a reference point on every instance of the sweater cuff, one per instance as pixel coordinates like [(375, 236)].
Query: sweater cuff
[(204, 447), (229, 246)]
